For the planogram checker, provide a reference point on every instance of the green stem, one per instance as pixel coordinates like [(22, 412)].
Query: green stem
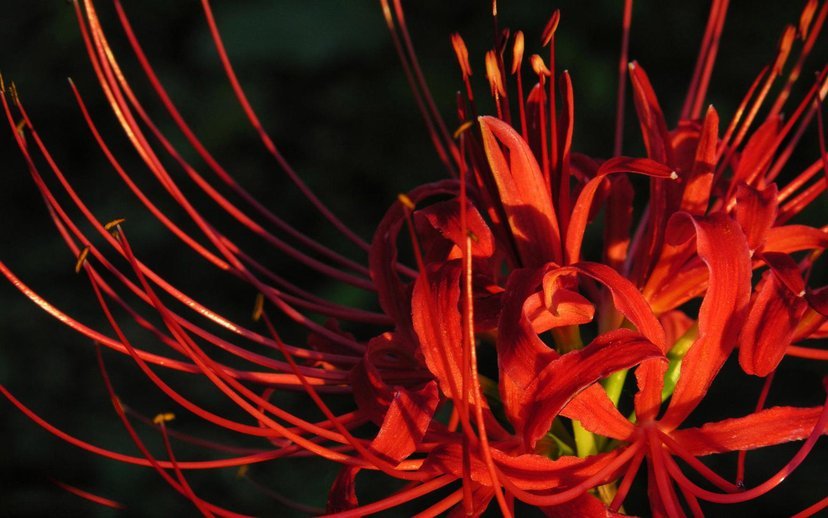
[(676, 355), (614, 384), (585, 443)]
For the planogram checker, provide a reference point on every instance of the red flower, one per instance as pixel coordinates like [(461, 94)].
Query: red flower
[(501, 272)]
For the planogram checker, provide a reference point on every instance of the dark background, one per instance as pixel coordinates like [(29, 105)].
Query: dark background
[(326, 83)]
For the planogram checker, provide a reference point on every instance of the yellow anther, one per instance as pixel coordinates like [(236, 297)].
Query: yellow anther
[(242, 471), (462, 54), (2, 85), (405, 200), (493, 75), (785, 45), (462, 129), (258, 307), (163, 418), (114, 223), (81, 259), (19, 126), (539, 66), (471, 235), (13, 93), (551, 27), (806, 17), (517, 52)]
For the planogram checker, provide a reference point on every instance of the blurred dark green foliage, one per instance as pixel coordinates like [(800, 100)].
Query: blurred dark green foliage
[(325, 81)]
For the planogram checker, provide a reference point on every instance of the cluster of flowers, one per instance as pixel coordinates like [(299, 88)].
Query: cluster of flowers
[(495, 262)]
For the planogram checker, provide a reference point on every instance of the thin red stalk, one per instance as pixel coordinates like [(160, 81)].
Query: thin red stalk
[(710, 60), (433, 132), (434, 319), (181, 486), (524, 131), (707, 57), (796, 205), (812, 510), (807, 352), (746, 122), (554, 166), (265, 138), (133, 132), (129, 459), (813, 34), (228, 385), (443, 505), (468, 339), (56, 206), (282, 499), (785, 154), (185, 486), (207, 156), (237, 351), (366, 453), (764, 487), (418, 74), (273, 427), (622, 78), (223, 202), (580, 488), (100, 500), (697, 465), (692, 502), (543, 136), (191, 439), (626, 482), (760, 404), (396, 499), (663, 482), (737, 116)]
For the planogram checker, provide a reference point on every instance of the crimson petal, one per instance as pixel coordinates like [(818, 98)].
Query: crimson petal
[(723, 247), (523, 191), (573, 372), (764, 428)]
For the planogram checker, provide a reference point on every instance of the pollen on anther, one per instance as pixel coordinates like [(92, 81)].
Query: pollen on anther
[(163, 418), (242, 471), (462, 129), (81, 259), (493, 75), (462, 54), (674, 175), (517, 52), (405, 200), (785, 45), (114, 223), (258, 307), (13, 93), (539, 66), (551, 27), (806, 17)]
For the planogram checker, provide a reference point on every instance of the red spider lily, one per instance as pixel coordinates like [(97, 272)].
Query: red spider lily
[(500, 268)]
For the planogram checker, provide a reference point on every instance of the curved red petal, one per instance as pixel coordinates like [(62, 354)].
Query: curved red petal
[(764, 428), (523, 192), (723, 247), (573, 372)]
